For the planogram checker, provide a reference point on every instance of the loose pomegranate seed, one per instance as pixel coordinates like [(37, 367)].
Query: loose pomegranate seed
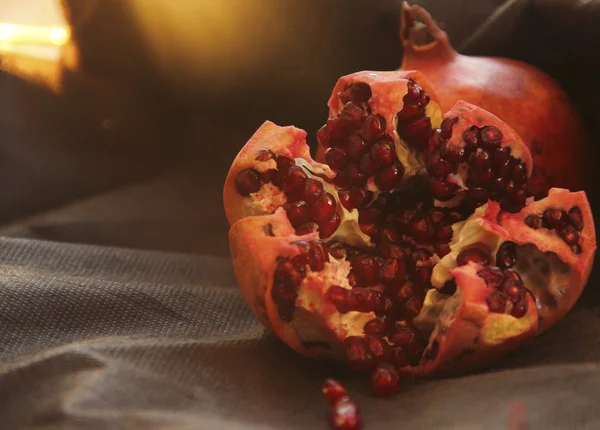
[(334, 391), (533, 221), (496, 302), (442, 249), (293, 186), (323, 137), (493, 276), (329, 227), (322, 209), (358, 354), (373, 127), (297, 212), (345, 415), (307, 228), (506, 257), (477, 255), (438, 167), (554, 218), (379, 348), (357, 147), (389, 177), (471, 138), (514, 290), (480, 160), (383, 154), (576, 218), (443, 190), (569, 235), (378, 326), (519, 309), (446, 126), (490, 137), (336, 158), (358, 93), (385, 380), (247, 181)]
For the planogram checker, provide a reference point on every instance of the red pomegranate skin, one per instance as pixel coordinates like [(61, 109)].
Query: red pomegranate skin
[(524, 97)]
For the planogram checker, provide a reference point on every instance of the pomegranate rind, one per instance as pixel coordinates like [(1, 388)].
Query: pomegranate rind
[(473, 336), (287, 141)]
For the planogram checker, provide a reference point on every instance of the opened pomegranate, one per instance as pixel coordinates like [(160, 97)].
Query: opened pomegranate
[(524, 97), (415, 246)]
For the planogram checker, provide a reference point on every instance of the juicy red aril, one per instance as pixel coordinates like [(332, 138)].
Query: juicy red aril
[(442, 190), (422, 230), (569, 235), (438, 167), (339, 127), (354, 175), (576, 218), (410, 112), (336, 158), (286, 280), (313, 189), (247, 181), (514, 290), (323, 137), (446, 127), (334, 391), (373, 127), (424, 99), (480, 160), (307, 228), (506, 257), (496, 302), (317, 255), (366, 269), (476, 255), (471, 138), (344, 415), (408, 340), (399, 357), (416, 132), (293, 186), (412, 93), (385, 380), (283, 165), (352, 112), (357, 93), (392, 270), (501, 156), (520, 308), (452, 155), (554, 218), (493, 276), (533, 221), (519, 174), (329, 227), (379, 348), (357, 353), (378, 326), (340, 297), (389, 177), (382, 153), (297, 212), (357, 147), (490, 137), (322, 209)]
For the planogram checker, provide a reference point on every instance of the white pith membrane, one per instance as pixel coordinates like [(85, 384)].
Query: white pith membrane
[(321, 328)]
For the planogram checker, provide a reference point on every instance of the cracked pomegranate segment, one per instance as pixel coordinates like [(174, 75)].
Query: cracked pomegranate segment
[(415, 247)]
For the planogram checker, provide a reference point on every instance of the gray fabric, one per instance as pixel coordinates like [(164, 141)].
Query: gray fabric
[(140, 325)]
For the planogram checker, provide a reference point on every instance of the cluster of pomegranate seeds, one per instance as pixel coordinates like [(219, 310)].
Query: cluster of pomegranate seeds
[(414, 126), (344, 413), (568, 225), (358, 148), (289, 274)]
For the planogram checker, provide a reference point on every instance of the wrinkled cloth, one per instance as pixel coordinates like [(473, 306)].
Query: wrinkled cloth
[(119, 308)]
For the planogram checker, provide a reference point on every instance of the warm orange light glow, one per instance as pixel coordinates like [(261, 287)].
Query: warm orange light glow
[(33, 35)]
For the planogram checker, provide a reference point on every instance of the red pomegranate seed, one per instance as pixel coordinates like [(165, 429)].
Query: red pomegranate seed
[(383, 153), (323, 137), (477, 255), (373, 127), (569, 234), (354, 175), (506, 257), (399, 357), (410, 112), (453, 155), (480, 160), (442, 249), (379, 348), (366, 165), (554, 218), (313, 189), (438, 167), (336, 158), (390, 250), (338, 128), (358, 93), (519, 174), (493, 276), (477, 195), (393, 270), (344, 415), (424, 99), (367, 270), (389, 177), (444, 233), (359, 196), (442, 190), (330, 226), (385, 380), (433, 144), (412, 94), (576, 218), (297, 212), (513, 275), (334, 391), (344, 196), (317, 255), (490, 137), (358, 353), (283, 165), (357, 147), (501, 156), (378, 326), (514, 290), (307, 228), (340, 297), (446, 126), (496, 302), (519, 309), (322, 209), (352, 112), (415, 132), (404, 337), (503, 170), (471, 138), (422, 230), (533, 221), (293, 186), (247, 181), (411, 308)]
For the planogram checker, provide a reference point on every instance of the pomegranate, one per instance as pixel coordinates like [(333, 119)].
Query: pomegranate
[(416, 247), (524, 97)]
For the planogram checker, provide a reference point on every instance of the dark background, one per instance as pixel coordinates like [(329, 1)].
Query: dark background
[(118, 306)]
